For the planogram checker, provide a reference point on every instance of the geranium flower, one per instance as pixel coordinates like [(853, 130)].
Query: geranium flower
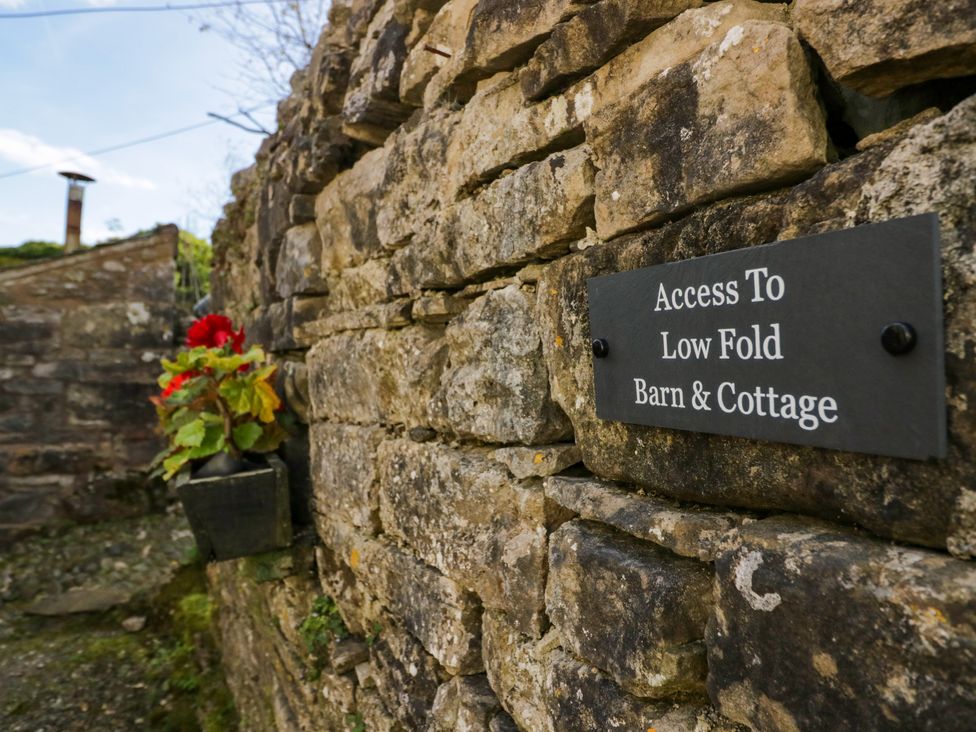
[(177, 383), (213, 331)]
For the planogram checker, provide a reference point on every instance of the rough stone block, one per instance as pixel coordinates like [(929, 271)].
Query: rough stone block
[(461, 513), (358, 287), (879, 636), (386, 315), (375, 716), (444, 617), (377, 376), (580, 698), (591, 37), (879, 46), (630, 608), (516, 668), (372, 107), (498, 131), (297, 271), (360, 611), (443, 41), (496, 388), (533, 213), (685, 530), (930, 169), (528, 462), (345, 213), (343, 465), (668, 148), (407, 677), (503, 33), (416, 181), (464, 704)]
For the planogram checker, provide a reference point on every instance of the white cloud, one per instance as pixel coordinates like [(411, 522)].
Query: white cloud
[(92, 3), (29, 151), (11, 4)]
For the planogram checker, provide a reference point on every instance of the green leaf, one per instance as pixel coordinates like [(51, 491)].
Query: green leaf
[(271, 438), (237, 393), (245, 435), (212, 443), (191, 434), (174, 462)]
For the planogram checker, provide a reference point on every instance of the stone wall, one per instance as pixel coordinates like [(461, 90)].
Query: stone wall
[(80, 342), (414, 243)]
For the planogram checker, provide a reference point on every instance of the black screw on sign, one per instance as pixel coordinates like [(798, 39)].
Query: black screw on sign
[(898, 338)]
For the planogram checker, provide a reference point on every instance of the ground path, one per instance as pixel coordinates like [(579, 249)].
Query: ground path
[(107, 627)]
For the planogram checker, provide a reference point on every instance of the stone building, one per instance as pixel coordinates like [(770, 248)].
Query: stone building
[(80, 341), (414, 243)]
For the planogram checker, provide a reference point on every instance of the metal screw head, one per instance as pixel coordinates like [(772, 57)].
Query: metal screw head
[(600, 347), (898, 338)]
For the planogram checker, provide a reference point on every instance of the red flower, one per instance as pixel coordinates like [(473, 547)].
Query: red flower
[(177, 383), (213, 331)]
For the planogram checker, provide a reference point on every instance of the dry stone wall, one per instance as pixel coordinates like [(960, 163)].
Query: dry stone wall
[(80, 341), (414, 244)]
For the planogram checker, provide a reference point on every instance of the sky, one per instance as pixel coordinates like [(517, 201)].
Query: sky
[(79, 83)]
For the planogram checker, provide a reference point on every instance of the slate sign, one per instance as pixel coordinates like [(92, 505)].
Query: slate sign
[(833, 340)]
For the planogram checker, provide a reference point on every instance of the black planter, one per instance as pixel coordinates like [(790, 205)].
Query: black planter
[(239, 514)]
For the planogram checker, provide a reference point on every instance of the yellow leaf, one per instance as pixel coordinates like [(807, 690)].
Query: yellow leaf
[(267, 399)]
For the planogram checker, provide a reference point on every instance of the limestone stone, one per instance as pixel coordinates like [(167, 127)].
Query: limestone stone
[(438, 308), (358, 287), (407, 677), (591, 37), (497, 131), (372, 105), (581, 698), (670, 46), (889, 44), (667, 148), (415, 183), (381, 315), (359, 610), (445, 618), (463, 704), (685, 530), (374, 714), (294, 376), (79, 600), (343, 463), (533, 213), (377, 376), (444, 40), (516, 668), (890, 640), (503, 33), (931, 168), (345, 213), (540, 461), (461, 513), (297, 271), (496, 386), (630, 608), (347, 654)]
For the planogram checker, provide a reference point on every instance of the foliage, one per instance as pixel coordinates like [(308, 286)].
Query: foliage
[(216, 398), (374, 634), (355, 722), (194, 262), (29, 251), (320, 628)]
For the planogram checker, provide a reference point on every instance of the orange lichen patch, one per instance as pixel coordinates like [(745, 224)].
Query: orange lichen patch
[(538, 458), (559, 341), (354, 559), (553, 291)]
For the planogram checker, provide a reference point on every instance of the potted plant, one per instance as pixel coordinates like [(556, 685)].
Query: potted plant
[(223, 421)]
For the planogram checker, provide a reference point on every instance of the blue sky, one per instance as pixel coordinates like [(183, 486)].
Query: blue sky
[(77, 83)]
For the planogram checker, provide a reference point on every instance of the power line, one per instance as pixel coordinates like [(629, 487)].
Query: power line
[(132, 143), (135, 8)]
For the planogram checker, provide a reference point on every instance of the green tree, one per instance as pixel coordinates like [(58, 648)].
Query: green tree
[(194, 262)]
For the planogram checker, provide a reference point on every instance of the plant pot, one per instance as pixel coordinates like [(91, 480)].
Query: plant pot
[(240, 514)]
